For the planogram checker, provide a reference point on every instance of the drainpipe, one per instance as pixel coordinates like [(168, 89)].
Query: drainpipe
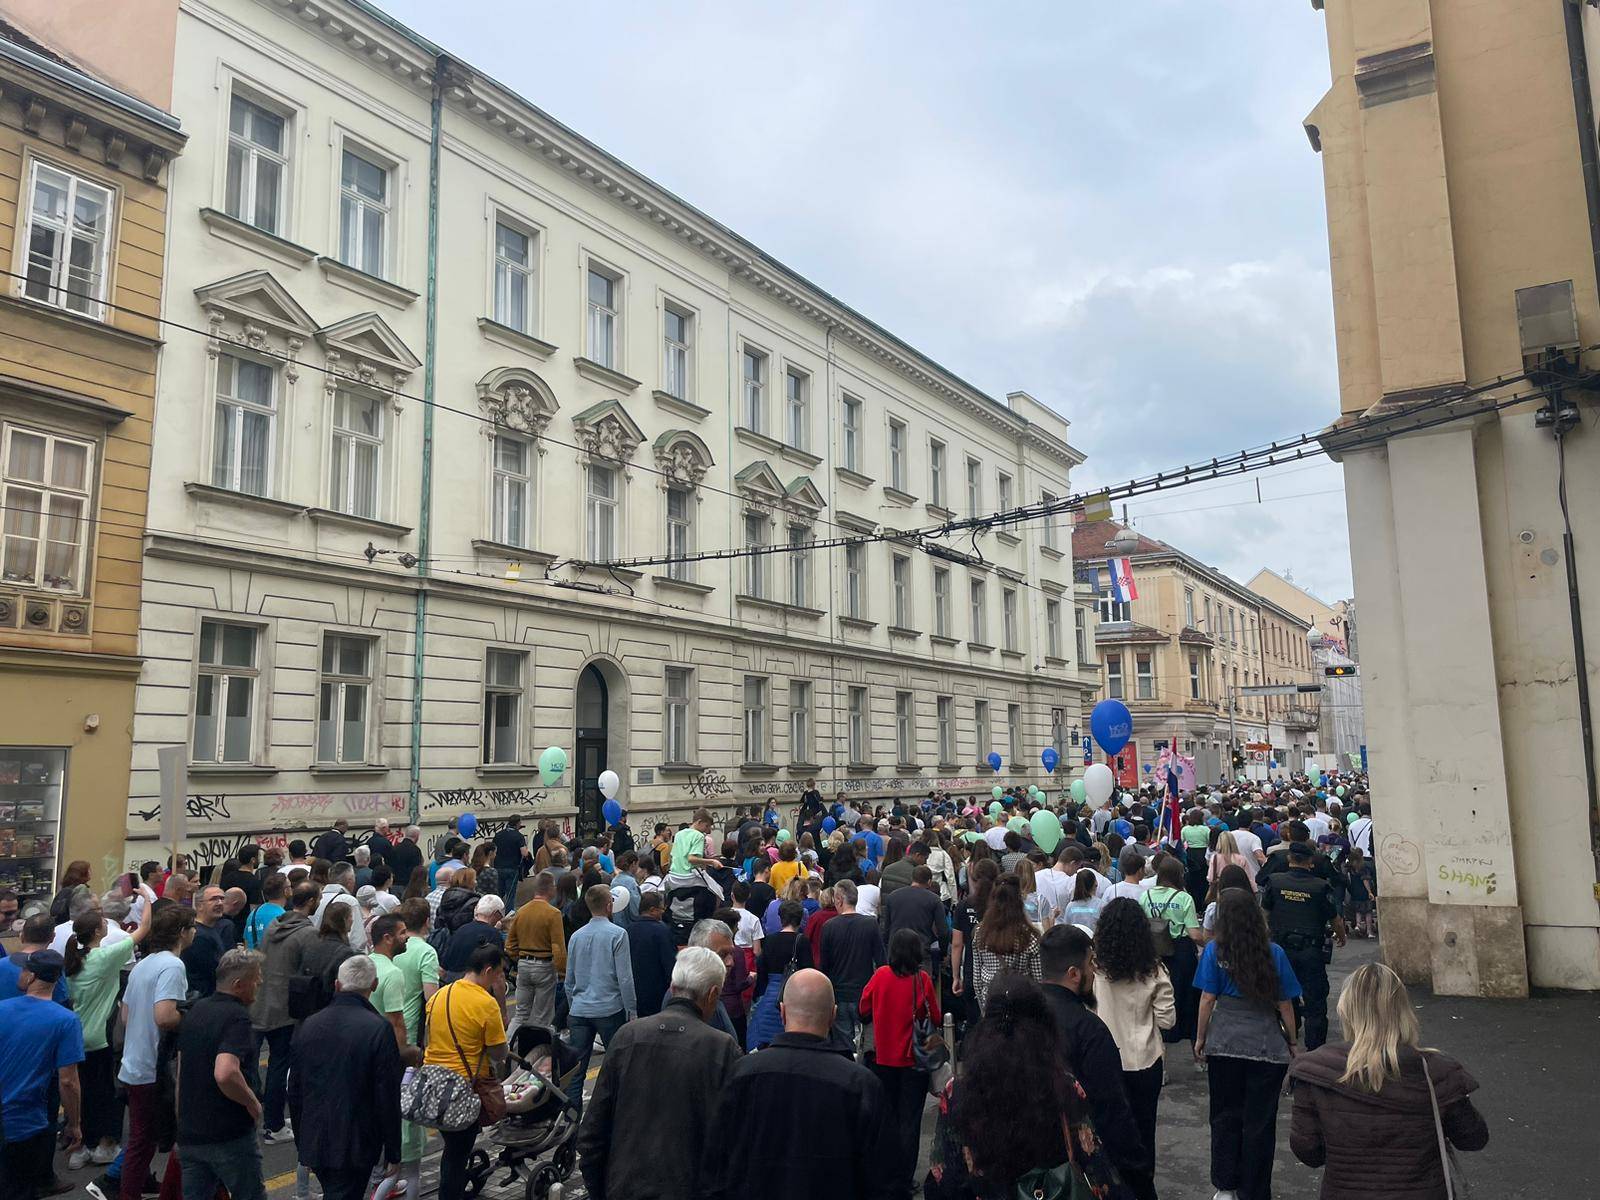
[(425, 518)]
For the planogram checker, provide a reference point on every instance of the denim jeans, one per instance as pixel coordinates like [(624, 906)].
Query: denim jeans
[(581, 1037), (275, 1090), (847, 1020), (235, 1164)]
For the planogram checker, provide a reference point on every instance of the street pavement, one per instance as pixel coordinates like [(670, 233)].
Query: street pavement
[(1536, 1060)]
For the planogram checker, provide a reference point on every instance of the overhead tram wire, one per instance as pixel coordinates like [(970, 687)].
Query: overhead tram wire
[(1240, 462)]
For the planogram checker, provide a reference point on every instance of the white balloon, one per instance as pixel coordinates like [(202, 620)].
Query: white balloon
[(1098, 784), (609, 784)]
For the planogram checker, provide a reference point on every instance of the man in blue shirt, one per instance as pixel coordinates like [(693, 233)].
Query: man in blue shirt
[(36, 934), (872, 843), (599, 982), (40, 1041)]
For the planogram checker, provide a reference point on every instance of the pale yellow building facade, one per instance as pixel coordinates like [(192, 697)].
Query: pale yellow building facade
[(1458, 150)]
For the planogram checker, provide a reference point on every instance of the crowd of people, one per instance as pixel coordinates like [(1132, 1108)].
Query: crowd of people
[(743, 983)]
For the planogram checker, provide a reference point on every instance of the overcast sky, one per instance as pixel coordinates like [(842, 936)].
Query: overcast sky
[(1113, 207)]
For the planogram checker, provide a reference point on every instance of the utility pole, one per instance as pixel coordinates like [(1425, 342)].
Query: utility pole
[(1233, 703)]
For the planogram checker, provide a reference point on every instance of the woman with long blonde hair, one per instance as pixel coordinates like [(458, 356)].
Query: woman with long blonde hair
[(1380, 1088), (1227, 854)]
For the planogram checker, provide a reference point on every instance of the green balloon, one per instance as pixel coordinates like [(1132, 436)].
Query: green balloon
[(1241, 779), (552, 765), (1079, 792), (972, 835), (1046, 828), (997, 791), (784, 835), (1017, 824), (1339, 791)]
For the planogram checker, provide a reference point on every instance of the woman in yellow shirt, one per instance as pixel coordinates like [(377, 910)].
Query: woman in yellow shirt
[(467, 1035), (787, 867)]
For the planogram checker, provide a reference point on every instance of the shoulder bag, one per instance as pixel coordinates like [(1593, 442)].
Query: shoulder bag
[(1454, 1185), (1160, 929), (438, 1097), (928, 1050), (490, 1092), (1065, 1181)]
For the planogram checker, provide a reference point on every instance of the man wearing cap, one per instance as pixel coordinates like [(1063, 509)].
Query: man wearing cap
[(39, 1041), (1300, 906)]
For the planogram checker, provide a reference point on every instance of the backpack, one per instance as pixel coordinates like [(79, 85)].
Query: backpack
[(1160, 930), (308, 994), (439, 937)]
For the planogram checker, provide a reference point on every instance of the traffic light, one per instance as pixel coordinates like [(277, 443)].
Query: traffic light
[(1238, 759), (1340, 672)]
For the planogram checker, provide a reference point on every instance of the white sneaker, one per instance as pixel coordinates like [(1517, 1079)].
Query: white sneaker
[(276, 1137), (1226, 1196), (77, 1160), (104, 1156)]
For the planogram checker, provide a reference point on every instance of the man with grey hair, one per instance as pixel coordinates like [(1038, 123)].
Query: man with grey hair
[(717, 937), (362, 856), (347, 1120), (630, 1143), (83, 902), (484, 928), (405, 856), (341, 889), (441, 884), (213, 937), (217, 1085)]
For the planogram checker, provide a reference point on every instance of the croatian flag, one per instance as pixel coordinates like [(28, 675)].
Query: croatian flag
[(1123, 588)]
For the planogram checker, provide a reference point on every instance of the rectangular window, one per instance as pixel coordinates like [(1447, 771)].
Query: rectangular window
[(603, 294), (1008, 617), (1114, 676), (855, 580), (1188, 607), (944, 711), (680, 533), (754, 370), (363, 214), (1014, 733), (936, 452), (900, 580), (1113, 611), (941, 603), (1058, 732), (513, 277), (979, 631), (600, 512), (1144, 672), (68, 239), (755, 719), (974, 487), (225, 693), (851, 426), (1003, 491), (677, 715), (800, 566), (1194, 677), (356, 478), (1080, 634), (905, 729), (799, 721), (1211, 629), (858, 724), (46, 497), (797, 408), (676, 325), (756, 527), (897, 455), (513, 490), (344, 698), (503, 687), (1052, 628), (981, 732), (1052, 537), (244, 420), (257, 164)]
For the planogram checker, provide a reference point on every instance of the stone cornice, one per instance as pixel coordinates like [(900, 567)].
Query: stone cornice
[(368, 33)]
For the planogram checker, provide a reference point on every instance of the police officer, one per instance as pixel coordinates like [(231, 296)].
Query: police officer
[(1300, 905)]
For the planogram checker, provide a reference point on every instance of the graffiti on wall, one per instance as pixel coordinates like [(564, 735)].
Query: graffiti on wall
[(199, 808), (476, 799), (707, 785)]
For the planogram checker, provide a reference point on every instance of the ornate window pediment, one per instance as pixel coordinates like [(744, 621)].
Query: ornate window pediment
[(760, 486), (682, 457), (516, 399), (364, 350), (804, 498), (257, 312), (606, 432)]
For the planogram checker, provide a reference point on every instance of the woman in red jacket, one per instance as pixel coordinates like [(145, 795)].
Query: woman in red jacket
[(894, 997), (1376, 1110)]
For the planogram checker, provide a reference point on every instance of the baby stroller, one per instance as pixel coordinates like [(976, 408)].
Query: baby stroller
[(537, 1138)]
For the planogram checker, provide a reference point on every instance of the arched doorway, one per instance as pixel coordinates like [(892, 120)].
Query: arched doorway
[(600, 737)]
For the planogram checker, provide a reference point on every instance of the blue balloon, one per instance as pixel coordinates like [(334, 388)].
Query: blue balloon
[(1112, 725), (838, 811), (1050, 758), (1147, 768), (611, 811), (829, 824), (993, 760), (466, 824)]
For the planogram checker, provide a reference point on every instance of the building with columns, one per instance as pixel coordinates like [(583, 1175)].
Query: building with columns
[(436, 366), (1458, 149)]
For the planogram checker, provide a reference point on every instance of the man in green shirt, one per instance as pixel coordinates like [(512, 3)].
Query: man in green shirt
[(389, 938), (415, 966), (686, 877)]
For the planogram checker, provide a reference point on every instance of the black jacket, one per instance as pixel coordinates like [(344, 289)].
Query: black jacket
[(763, 1141), (348, 1118), (651, 950), (1092, 1056), (332, 845), (456, 907), (1320, 867), (645, 1127), (403, 858)]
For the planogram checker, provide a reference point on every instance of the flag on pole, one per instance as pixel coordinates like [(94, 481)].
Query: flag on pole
[(1123, 589)]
